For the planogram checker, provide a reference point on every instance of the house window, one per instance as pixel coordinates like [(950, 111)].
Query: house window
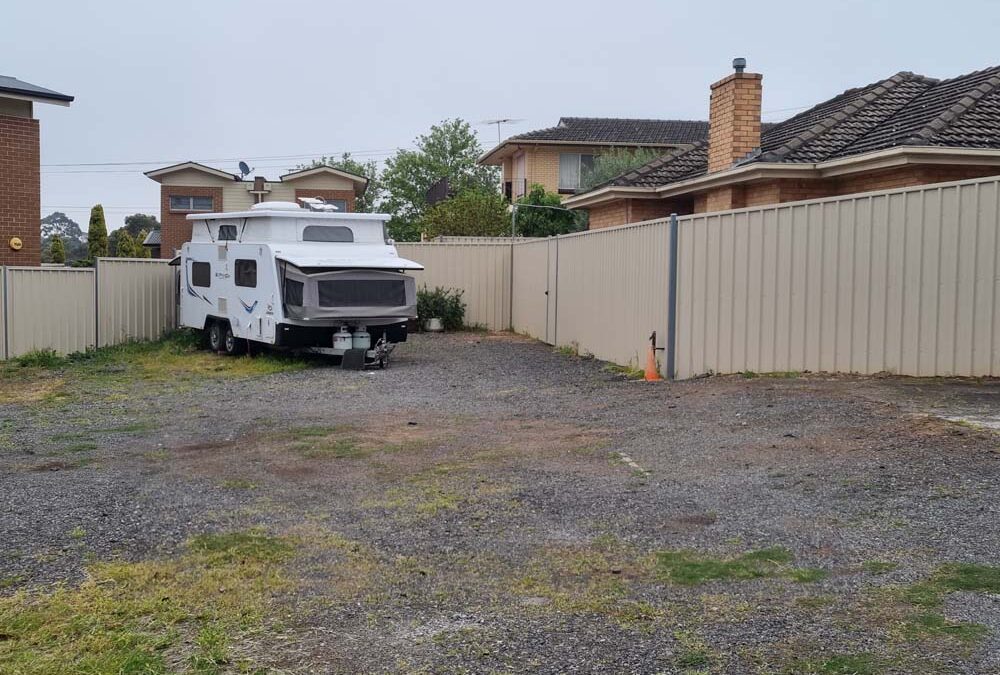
[(246, 273), (185, 203), (328, 233), (227, 233), (341, 204), (573, 166), (201, 274)]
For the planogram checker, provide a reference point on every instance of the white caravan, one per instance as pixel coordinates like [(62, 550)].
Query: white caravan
[(303, 278)]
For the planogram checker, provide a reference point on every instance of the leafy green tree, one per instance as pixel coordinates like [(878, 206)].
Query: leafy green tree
[(472, 213), (371, 200), (140, 250), (449, 150), (615, 162), (57, 251), (125, 244), (545, 222), (97, 234), (140, 222)]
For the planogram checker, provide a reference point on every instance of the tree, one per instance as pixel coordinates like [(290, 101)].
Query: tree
[(614, 163), (472, 213), (57, 252), (139, 222), (533, 222), (97, 234), (370, 201), (140, 250), (449, 150), (125, 244)]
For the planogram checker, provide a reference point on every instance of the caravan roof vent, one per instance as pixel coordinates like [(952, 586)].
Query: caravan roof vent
[(275, 206)]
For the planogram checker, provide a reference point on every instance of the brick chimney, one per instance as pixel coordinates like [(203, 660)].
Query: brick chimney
[(734, 117)]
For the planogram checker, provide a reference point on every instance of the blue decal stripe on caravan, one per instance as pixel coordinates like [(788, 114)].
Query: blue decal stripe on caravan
[(249, 308)]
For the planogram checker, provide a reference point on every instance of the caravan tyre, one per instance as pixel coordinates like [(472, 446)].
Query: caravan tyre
[(215, 336), (234, 346)]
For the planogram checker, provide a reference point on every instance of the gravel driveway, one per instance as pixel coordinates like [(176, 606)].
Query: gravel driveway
[(490, 505)]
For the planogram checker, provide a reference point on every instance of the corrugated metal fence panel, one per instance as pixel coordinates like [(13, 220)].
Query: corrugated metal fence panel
[(904, 281), (612, 290), (531, 279), (49, 309), (481, 270), (136, 299)]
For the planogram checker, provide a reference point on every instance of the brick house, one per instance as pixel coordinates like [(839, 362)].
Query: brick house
[(20, 183), (557, 157), (903, 131), (190, 187)]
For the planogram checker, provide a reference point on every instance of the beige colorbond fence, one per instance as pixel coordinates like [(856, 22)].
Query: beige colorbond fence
[(904, 281), (481, 270), (136, 299), (71, 310)]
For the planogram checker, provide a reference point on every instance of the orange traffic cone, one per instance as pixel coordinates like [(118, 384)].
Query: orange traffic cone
[(652, 372)]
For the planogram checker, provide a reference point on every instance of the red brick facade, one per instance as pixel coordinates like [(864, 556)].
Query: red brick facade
[(20, 191), (734, 119), (346, 195), (176, 228), (624, 211)]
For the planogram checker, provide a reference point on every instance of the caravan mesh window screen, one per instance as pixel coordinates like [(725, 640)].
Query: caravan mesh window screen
[(362, 293), (328, 233), (201, 274), (227, 233), (293, 292)]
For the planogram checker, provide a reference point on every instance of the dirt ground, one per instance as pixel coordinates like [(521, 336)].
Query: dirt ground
[(490, 505)]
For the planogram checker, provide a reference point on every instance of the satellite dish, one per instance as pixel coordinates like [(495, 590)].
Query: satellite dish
[(244, 169)]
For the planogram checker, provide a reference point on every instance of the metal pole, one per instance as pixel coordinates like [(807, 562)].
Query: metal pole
[(97, 304), (510, 299), (672, 300), (3, 311)]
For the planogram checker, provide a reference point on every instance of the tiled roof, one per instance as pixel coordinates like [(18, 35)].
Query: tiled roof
[(600, 130), (152, 238), (903, 110), (12, 85)]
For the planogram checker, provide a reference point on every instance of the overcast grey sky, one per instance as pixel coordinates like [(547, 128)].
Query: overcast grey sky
[(219, 80)]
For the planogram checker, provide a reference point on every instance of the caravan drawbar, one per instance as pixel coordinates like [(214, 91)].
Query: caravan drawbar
[(303, 278)]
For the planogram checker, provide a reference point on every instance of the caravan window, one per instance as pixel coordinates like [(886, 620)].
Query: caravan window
[(246, 273), (227, 233), (293, 292), (201, 274), (328, 233)]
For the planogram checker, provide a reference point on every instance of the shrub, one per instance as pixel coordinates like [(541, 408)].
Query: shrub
[(40, 358), (97, 234), (441, 303), (57, 250)]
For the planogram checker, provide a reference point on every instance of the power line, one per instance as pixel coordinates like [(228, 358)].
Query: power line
[(306, 155)]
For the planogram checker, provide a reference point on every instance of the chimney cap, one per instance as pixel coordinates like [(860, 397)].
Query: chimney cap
[(739, 64)]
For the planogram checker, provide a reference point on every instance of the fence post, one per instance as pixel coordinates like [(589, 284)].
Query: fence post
[(97, 303), (672, 300), (3, 311)]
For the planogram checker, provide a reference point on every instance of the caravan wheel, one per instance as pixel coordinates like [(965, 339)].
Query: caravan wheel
[(215, 336), (234, 346)]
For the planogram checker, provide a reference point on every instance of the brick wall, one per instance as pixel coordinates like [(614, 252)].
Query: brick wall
[(609, 215), (20, 191), (346, 195), (175, 228), (734, 119)]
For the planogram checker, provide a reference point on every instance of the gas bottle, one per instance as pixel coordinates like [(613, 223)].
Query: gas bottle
[(362, 339), (342, 338)]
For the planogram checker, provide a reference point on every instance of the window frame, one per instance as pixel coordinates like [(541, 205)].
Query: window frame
[(331, 228), (190, 203), (579, 161), (230, 230), (194, 277), (238, 274)]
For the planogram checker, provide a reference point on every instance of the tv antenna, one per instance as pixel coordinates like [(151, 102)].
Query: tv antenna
[(244, 170), (499, 122)]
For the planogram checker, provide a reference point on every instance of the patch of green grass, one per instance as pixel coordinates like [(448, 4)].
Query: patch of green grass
[(10, 581), (147, 617), (78, 532), (839, 664), (691, 651), (688, 568), (969, 577), (81, 446), (934, 624), (815, 601), (748, 374), (630, 372), (238, 484), (39, 358), (572, 349), (878, 566)]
